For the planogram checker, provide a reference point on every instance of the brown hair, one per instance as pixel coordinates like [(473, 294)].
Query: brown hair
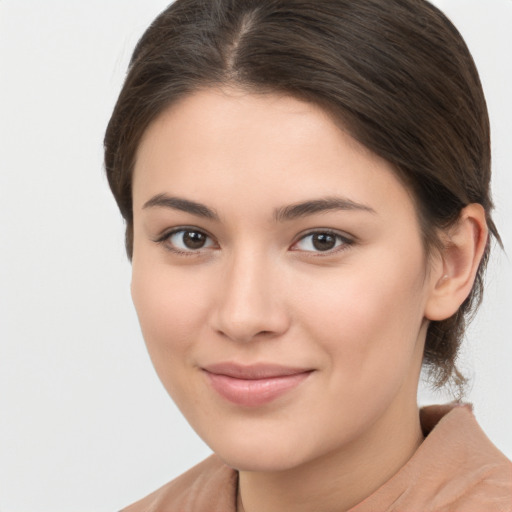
[(396, 73)]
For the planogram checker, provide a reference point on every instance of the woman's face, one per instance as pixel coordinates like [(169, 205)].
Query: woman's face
[(279, 278)]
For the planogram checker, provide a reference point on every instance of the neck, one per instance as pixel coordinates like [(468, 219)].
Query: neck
[(339, 480)]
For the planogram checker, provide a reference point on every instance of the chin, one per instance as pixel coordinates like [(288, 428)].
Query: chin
[(260, 461), (260, 454)]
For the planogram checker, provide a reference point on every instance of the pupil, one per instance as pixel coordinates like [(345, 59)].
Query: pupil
[(324, 242), (194, 240)]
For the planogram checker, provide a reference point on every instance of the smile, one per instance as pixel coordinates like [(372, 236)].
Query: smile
[(252, 386)]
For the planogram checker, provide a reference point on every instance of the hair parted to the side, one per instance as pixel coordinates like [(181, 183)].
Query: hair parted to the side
[(396, 74)]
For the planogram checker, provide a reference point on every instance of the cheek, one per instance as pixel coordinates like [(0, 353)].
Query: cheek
[(171, 311), (368, 325), (367, 316)]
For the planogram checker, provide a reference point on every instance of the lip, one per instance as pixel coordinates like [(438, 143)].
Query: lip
[(254, 385)]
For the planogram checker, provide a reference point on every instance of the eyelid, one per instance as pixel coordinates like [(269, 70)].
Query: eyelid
[(346, 239), (165, 236)]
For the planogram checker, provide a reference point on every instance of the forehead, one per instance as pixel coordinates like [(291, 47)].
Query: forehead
[(247, 149)]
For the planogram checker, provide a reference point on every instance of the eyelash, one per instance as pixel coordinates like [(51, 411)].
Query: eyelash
[(166, 237), (344, 240)]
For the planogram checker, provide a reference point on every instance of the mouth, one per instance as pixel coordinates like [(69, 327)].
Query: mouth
[(254, 385)]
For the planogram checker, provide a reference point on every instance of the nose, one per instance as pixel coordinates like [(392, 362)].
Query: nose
[(250, 303)]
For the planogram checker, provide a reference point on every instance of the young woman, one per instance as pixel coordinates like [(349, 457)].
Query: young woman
[(305, 186)]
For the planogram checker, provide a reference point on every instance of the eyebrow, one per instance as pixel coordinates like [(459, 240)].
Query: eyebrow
[(285, 213), (184, 205), (303, 209)]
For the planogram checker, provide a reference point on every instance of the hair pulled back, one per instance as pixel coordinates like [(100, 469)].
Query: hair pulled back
[(396, 74)]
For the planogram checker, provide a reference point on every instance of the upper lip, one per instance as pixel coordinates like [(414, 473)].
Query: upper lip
[(253, 371)]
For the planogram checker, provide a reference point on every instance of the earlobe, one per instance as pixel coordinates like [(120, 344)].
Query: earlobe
[(464, 246)]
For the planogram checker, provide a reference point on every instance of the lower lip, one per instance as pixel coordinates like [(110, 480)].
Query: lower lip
[(254, 392)]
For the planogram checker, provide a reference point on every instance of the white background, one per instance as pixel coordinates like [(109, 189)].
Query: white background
[(84, 423)]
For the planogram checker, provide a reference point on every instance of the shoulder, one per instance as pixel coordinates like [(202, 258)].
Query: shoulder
[(456, 469), (459, 465), (210, 486), (479, 475)]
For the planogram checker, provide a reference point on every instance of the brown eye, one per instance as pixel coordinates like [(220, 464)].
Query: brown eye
[(188, 240), (194, 239), (322, 241)]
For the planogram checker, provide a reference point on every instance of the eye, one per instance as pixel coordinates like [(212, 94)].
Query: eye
[(186, 240), (321, 241)]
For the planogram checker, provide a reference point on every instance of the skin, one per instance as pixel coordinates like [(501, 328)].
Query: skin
[(259, 291)]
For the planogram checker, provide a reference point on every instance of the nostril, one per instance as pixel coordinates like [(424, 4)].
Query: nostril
[(246, 335)]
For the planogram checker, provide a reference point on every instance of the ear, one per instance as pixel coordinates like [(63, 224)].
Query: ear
[(454, 275)]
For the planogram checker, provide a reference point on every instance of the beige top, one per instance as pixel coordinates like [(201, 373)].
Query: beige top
[(456, 469)]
